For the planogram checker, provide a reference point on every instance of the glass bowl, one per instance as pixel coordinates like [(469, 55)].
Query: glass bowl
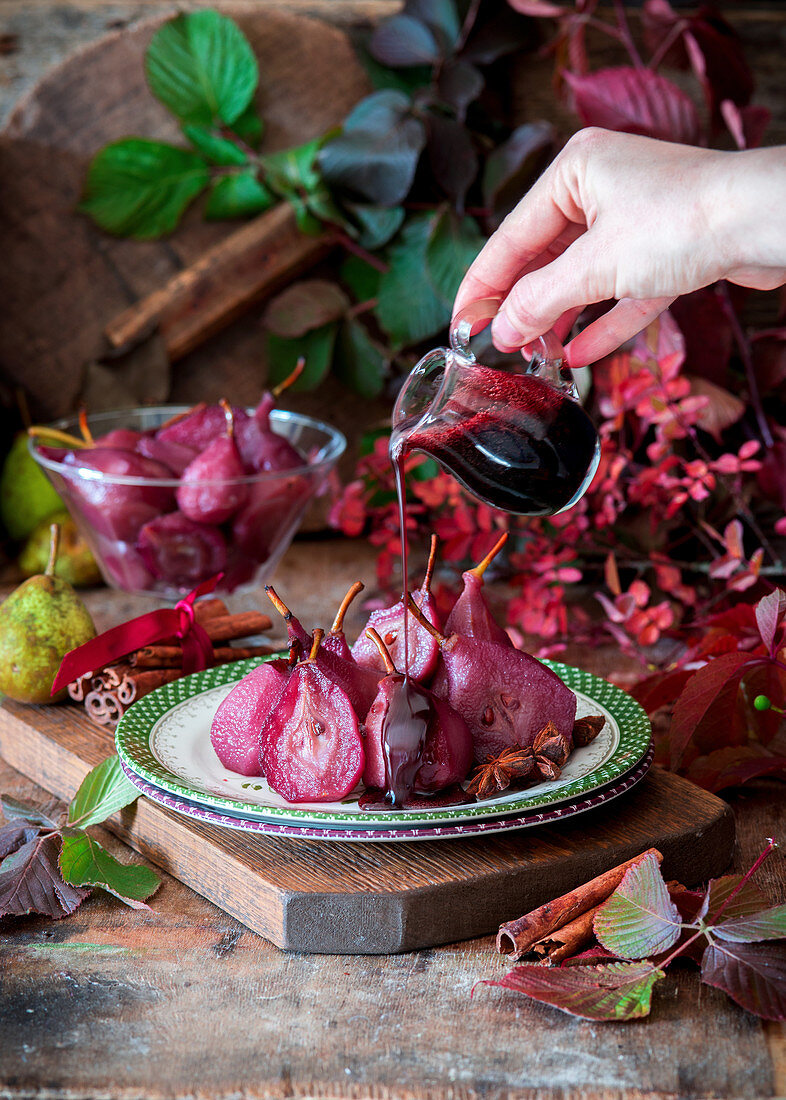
[(142, 541)]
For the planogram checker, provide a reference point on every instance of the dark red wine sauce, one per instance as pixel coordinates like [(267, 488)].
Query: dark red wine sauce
[(410, 712)]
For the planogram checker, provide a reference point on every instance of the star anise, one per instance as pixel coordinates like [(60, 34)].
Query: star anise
[(499, 772), (586, 729), (550, 745)]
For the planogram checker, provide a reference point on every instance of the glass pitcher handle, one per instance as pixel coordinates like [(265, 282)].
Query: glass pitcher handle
[(548, 360)]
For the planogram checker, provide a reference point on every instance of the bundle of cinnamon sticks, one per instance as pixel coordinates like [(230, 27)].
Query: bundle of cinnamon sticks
[(107, 693), (561, 928)]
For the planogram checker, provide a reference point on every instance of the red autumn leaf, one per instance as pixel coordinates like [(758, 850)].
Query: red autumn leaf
[(635, 101), (747, 125), (30, 881), (706, 327), (734, 765), (660, 689), (614, 991), (754, 975), (537, 8), (769, 617), (713, 687), (723, 408), (746, 899)]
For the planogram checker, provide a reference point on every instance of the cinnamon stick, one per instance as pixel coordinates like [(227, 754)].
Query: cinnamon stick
[(246, 265), (568, 940), (209, 609), (227, 628), (171, 656), (520, 935)]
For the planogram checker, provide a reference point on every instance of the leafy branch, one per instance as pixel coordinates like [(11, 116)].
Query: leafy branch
[(391, 185), (727, 930), (48, 866)]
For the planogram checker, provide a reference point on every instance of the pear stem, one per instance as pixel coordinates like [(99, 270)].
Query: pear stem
[(277, 602), (230, 417), (384, 652), (84, 428), (318, 635), (54, 546), (290, 380), (483, 565), (419, 617), (338, 622), (177, 417), (432, 558), (40, 432)]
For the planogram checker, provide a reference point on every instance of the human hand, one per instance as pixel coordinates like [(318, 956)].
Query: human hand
[(617, 216)]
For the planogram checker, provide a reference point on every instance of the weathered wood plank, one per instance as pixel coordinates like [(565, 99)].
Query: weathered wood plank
[(182, 1000)]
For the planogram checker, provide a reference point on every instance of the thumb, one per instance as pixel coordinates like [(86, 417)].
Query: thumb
[(539, 298)]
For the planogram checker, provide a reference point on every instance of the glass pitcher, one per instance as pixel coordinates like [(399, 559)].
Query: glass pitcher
[(519, 441)]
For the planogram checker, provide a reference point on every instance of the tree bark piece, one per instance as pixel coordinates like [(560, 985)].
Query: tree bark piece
[(246, 266), (522, 934)]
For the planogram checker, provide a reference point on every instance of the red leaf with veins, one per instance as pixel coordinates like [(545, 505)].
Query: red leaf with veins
[(754, 975), (635, 101), (30, 881), (710, 692), (769, 616), (732, 766)]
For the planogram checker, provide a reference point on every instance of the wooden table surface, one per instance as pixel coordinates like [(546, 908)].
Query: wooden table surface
[(182, 1000)]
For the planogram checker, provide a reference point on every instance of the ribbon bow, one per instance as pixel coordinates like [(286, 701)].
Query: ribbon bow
[(154, 626)]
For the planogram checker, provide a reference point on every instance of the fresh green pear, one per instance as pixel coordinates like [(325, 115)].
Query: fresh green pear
[(26, 493), (40, 622), (75, 562)]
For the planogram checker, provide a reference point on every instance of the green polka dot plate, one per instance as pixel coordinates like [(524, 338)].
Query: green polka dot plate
[(165, 739)]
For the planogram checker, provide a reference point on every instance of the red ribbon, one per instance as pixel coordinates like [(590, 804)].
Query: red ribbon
[(154, 626)]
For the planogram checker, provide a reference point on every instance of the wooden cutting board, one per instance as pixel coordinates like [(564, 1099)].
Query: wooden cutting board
[(346, 898)]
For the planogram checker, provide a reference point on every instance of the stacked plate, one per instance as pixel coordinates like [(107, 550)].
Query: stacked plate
[(164, 744)]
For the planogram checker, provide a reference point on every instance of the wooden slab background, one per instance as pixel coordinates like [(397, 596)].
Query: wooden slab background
[(348, 898)]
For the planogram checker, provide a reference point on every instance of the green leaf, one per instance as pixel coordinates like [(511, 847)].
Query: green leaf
[(294, 169), (202, 68), (409, 309), (639, 919), (83, 862), (140, 188), (376, 155), (303, 306), (237, 196), (360, 364), (769, 924), (317, 348), (377, 224), (216, 149), (102, 792), (361, 278), (249, 127), (441, 16), (453, 245), (613, 991)]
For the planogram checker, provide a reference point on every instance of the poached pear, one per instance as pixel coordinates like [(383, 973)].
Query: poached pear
[(40, 622)]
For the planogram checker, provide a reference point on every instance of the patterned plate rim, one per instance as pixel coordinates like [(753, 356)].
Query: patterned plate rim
[(454, 831), (135, 727)]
